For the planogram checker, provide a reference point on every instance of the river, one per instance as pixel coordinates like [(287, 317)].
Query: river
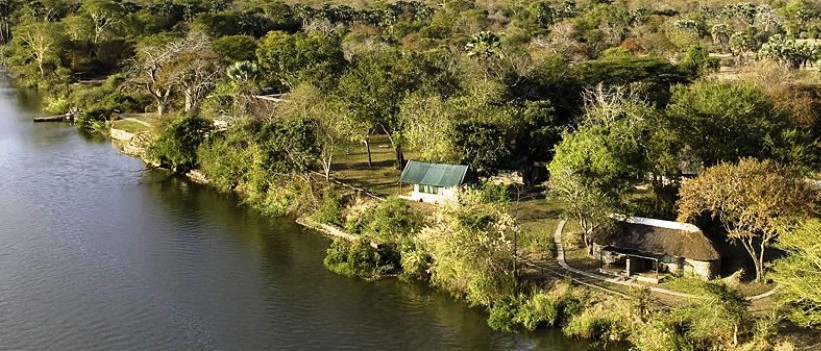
[(96, 253)]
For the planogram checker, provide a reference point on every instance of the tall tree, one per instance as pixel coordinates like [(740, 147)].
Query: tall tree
[(166, 65), (751, 199), (723, 121), (332, 127), (289, 59), (593, 166), (374, 88), (40, 42), (105, 16)]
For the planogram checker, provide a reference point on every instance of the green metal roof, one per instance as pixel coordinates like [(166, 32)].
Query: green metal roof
[(436, 174)]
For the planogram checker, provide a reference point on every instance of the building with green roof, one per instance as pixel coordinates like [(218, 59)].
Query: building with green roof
[(435, 182)]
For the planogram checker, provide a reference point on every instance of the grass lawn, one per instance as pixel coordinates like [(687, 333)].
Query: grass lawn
[(538, 219), (382, 179), (129, 126)]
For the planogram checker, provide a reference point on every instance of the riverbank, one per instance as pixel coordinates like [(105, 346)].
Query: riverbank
[(465, 249)]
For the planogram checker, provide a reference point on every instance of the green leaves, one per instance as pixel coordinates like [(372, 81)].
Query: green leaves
[(176, 147), (799, 275), (288, 59)]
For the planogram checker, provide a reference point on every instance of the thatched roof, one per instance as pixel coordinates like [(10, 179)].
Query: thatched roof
[(657, 236)]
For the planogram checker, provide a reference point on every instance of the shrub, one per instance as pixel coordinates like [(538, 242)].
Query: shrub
[(540, 309), (393, 221), (117, 101), (330, 207), (656, 335), (602, 322), (360, 259), (57, 106), (358, 214), (503, 315), (278, 195), (415, 261), (227, 157), (495, 193), (176, 147), (94, 120), (472, 261)]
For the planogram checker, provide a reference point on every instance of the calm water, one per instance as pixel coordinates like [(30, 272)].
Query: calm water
[(98, 254)]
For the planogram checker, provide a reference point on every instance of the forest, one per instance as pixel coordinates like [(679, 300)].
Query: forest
[(706, 112)]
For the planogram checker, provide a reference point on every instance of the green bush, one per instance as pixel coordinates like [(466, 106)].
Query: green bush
[(656, 335), (503, 315), (279, 195), (540, 310), (360, 259), (393, 221), (227, 157), (57, 106), (330, 207), (176, 147), (95, 120), (495, 193), (415, 261)]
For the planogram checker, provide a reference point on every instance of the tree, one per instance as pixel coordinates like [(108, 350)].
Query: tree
[(720, 34), (40, 42), (331, 126), (289, 59), (472, 252), (698, 61), (7, 19), (244, 79), (750, 199), (196, 70), (791, 53), (592, 166), (799, 274), (484, 45), (166, 65), (654, 75), (740, 43), (429, 123), (176, 146), (374, 88), (235, 48), (105, 16), (482, 144), (723, 121)]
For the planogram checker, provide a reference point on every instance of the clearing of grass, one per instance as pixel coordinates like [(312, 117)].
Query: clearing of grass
[(129, 126)]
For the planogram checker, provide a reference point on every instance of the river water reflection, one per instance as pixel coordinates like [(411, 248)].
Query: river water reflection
[(98, 254)]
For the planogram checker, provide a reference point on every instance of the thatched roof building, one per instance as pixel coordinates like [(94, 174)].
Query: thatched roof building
[(670, 246)]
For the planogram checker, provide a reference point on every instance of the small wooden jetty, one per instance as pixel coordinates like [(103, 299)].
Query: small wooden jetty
[(68, 117)]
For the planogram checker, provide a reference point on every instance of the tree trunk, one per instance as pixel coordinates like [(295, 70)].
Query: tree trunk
[(750, 247), (40, 66), (400, 157), (367, 142), (588, 243), (160, 107), (326, 165), (735, 334), (189, 100), (760, 274)]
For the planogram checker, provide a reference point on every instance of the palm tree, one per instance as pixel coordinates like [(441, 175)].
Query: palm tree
[(483, 45), (244, 76)]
